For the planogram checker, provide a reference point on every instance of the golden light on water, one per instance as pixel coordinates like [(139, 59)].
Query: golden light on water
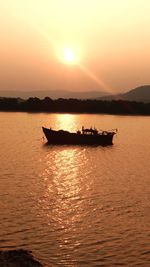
[(65, 172), (66, 122), (62, 184)]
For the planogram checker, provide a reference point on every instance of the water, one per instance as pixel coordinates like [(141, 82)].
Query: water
[(76, 206)]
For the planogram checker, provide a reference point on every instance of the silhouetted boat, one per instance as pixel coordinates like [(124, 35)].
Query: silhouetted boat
[(85, 137)]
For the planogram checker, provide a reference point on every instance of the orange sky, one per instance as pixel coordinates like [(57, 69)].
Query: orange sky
[(112, 37)]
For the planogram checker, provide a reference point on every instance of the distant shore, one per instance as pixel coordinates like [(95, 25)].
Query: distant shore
[(115, 107)]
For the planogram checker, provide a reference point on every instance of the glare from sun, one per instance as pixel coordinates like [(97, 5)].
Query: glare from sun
[(69, 55)]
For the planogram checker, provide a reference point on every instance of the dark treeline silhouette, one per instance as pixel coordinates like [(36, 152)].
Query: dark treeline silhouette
[(74, 106)]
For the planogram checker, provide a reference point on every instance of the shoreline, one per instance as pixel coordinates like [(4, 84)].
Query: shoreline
[(17, 258), (74, 113), (75, 106)]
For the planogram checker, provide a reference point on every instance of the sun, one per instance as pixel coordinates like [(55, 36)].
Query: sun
[(69, 55)]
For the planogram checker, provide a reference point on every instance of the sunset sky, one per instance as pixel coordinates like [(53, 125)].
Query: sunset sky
[(74, 44)]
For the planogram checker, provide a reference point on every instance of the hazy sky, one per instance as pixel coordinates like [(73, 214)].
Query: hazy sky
[(111, 39)]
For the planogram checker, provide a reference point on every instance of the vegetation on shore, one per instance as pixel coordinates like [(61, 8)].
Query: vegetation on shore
[(75, 106)]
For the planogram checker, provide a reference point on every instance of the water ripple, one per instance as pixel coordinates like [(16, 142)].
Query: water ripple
[(76, 206)]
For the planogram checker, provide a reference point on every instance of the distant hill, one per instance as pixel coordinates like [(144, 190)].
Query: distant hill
[(139, 94), (54, 94)]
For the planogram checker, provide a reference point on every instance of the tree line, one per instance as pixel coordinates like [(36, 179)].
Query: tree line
[(34, 104)]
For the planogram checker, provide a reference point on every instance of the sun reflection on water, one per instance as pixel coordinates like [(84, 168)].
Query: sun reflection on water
[(63, 178), (65, 172), (66, 122), (66, 195)]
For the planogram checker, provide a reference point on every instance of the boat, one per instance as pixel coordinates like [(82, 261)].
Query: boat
[(88, 136)]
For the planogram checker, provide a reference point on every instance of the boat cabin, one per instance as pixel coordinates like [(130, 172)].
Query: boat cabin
[(89, 131)]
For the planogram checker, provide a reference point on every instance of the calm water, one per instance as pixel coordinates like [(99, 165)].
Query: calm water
[(76, 206)]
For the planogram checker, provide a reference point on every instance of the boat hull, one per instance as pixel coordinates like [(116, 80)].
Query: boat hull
[(64, 137)]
